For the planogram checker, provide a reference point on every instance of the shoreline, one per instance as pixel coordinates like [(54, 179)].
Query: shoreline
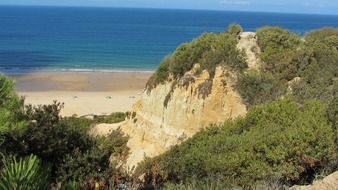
[(83, 93), (16, 72), (41, 81)]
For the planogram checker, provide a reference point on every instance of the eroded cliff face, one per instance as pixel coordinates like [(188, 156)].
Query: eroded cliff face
[(177, 109), (166, 116)]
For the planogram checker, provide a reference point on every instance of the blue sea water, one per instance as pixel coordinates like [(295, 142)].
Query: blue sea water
[(69, 38)]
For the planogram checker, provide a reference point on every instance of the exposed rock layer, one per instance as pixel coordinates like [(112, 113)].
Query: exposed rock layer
[(176, 110), (156, 126)]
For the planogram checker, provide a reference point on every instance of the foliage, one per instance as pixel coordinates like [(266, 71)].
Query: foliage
[(319, 78), (200, 184), (161, 74), (95, 162), (209, 50), (66, 144), (218, 184), (312, 60), (24, 174), (329, 36), (280, 140), (112, 118), (235, 29), (10, 107), (278, 47), (12, 124), (81, 124), (44, 115), (333, 112), (276, 38), (71, 185), (50, 137), (257, 88)]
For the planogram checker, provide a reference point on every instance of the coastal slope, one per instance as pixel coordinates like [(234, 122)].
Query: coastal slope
[(175, 110)]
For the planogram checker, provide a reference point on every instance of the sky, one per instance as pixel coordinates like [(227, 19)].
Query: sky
[(288, 6)]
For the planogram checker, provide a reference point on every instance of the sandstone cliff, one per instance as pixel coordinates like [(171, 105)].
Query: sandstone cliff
[(176, 110), (157, 126)]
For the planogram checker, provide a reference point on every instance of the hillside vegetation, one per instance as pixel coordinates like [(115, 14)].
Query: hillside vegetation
[(41, 150), (289, 135), (209, 50), (305, 67)]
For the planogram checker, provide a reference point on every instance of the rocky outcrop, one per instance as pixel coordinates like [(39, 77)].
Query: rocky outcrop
[(177, 109), (328, 183), (248, 43)]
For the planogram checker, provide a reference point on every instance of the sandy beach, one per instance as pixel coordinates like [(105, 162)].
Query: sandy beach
[(83, 93)]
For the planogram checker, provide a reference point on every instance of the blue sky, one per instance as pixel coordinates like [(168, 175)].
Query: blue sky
[(294, 6)]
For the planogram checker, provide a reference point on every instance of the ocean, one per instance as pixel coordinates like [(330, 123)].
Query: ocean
[(118, 39)]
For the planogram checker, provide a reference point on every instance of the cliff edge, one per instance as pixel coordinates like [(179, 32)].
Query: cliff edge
[(175, 110)]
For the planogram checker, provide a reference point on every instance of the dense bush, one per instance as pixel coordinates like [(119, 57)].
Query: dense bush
[(329, 36), (319, 78), (312, 59), (276, 38), (74, 154), (279, 141), (12, 124), (258, 87), (235, 29), (111, 118), (209, 50), (161, 74), (47, 136), (62, 143), (10, 107), (96, 160), (278, 47)]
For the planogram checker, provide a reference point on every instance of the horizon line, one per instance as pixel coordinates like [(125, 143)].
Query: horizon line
[(159, 8)]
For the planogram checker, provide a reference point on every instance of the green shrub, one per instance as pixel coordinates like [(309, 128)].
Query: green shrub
[(66, 144), (223, 51), (182, 60), (50, 137), (319, 76), (11, 107), (71, 185), (323, 35), (24, 174), (278, 47), (276, 38), (79, 123), (12, 123), (101, 160), (280, 141), (198, 184), (333, 112), (112, 118), (209, 50), (286, 56), (235, 29), (256, 88), (161, 74)]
